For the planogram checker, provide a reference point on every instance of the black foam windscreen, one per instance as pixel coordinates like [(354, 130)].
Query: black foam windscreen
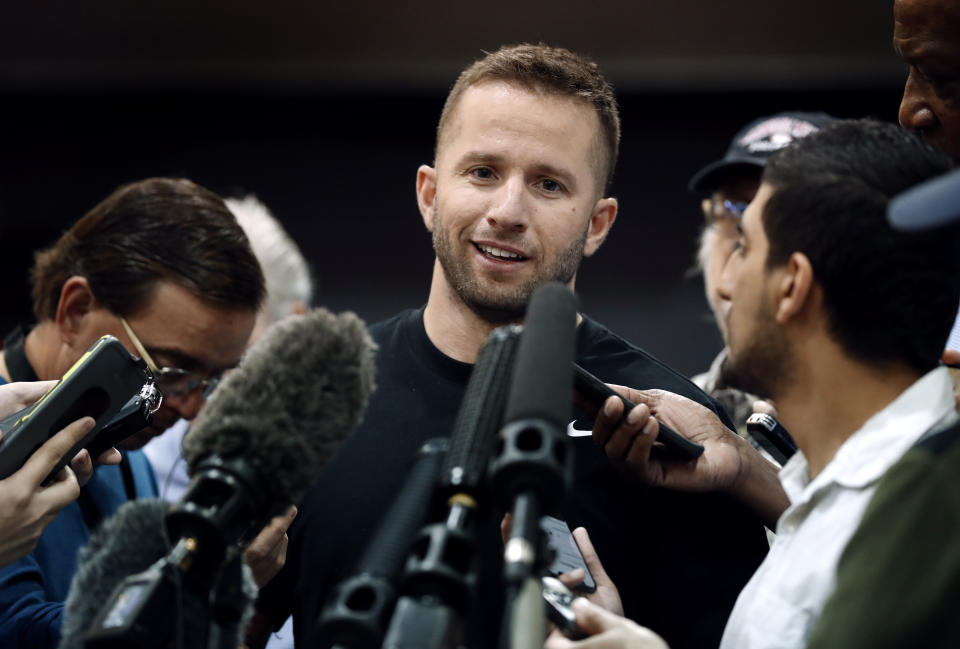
[(299, 392), (128, 542), (543, 375)]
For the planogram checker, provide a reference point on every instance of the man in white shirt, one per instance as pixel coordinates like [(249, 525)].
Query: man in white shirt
[(841, 320)]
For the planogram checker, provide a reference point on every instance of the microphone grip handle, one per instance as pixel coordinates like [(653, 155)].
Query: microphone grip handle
[(424, 624), (228, 602), (388, 550), (480, 415)]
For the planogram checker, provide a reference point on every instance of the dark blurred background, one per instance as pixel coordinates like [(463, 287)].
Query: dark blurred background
[(325, 110)]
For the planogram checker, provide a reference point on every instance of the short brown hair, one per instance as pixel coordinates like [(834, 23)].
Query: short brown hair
[(890, 296), (144, 232), (552, 70)]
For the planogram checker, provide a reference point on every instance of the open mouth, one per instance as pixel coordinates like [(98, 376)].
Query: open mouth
[(498, 254)]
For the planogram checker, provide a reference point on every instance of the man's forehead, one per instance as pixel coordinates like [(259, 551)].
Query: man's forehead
[(521, 92), (184, 327), (931, 10), (934, 22), (475, 100)]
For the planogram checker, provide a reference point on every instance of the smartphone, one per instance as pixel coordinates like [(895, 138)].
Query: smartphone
[(98, 385), (772, 436), (595, 392), (565, 551), (133, 417)]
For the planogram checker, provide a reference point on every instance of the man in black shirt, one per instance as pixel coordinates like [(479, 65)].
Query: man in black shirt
[(526, 146)]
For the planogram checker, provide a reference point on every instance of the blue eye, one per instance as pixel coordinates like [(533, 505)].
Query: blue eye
[(550, 185)]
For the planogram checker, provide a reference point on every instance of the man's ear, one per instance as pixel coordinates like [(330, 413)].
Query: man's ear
[(427, 193), (77, 301), (601, 220), (795, 288)]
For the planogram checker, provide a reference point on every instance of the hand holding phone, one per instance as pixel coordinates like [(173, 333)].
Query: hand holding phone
[(581, 553), (566, 553), (594, 392), (101, 383)]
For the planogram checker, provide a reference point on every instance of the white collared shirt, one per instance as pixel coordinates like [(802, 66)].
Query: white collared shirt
[(782, 601)]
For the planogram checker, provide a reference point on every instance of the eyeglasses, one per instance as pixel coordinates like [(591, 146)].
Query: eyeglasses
[(172, 381), (715, 209)]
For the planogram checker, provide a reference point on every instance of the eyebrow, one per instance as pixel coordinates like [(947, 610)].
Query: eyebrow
[(479, 156)]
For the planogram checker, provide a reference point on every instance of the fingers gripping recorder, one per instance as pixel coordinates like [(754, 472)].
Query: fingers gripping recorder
[(107, 383)]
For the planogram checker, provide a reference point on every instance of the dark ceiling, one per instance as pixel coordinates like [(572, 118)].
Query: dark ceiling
[(643, 45)]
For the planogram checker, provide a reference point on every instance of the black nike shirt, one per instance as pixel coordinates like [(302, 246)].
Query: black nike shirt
[(679, 560)]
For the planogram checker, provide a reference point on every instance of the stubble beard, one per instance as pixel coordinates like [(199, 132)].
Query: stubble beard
[(762, 367), (494, 302)]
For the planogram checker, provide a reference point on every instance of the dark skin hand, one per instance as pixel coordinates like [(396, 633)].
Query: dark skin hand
[(729, 463)]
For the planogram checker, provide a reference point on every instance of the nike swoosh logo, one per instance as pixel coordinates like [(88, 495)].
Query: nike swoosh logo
[(573, 431)]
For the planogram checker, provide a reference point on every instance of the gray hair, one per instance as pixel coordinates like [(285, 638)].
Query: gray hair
[(284, 267)]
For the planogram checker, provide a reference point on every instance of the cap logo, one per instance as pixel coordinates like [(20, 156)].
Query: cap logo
[(775, 134)]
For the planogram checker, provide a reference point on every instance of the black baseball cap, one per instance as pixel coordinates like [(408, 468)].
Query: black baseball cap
[(928, 205), (756, 142)]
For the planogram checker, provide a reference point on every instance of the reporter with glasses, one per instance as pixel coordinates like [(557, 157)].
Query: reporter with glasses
[(726, 186), (162, 265)]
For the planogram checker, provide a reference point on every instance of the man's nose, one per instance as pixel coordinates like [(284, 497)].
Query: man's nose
[(915, 112), (510, 208), (725, 281)]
